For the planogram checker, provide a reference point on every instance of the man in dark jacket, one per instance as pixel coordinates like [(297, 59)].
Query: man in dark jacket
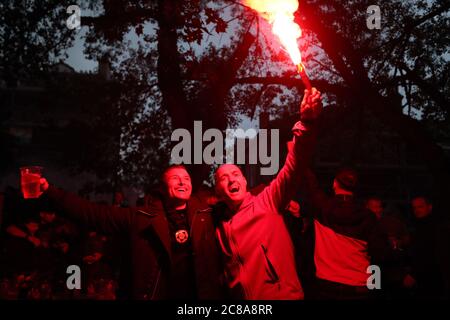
[(348, 238), (173, 249), (429, 251), (398, 235)]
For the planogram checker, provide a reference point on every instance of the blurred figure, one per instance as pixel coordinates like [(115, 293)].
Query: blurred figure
[(119, 200), (375, 205), (394, 273), (21, 246), (117, 248), (429, 246), (96, 270), (301, 230), (40, 253), (394, 228), (348, 238), (8, 289)]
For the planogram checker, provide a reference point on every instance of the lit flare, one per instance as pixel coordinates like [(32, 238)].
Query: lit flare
[(280, 14)]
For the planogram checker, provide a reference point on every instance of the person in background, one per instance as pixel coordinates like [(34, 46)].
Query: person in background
[(301, 230), (429, 251), (399, 239), (119, 200), (348, 238)]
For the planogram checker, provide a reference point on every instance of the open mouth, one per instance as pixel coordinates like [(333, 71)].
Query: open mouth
[(181, 190), (234, 189)]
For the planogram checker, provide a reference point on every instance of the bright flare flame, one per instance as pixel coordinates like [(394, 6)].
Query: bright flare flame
[(280, 14)]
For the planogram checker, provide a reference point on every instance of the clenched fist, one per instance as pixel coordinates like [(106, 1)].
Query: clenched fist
[(44, 185)]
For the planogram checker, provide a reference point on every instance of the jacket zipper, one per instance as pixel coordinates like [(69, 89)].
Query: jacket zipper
[(239, 261), (271, 268), (156, 284)]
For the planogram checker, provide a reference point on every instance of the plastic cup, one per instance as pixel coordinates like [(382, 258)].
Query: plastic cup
[(30, 181)]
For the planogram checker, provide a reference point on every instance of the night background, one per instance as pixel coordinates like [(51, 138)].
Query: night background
[(96, 105)]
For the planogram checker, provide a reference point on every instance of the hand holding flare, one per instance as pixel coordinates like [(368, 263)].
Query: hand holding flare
[(311, 106), (302, 71), (280, 14)]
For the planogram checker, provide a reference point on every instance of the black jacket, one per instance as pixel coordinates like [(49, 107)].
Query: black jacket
[(150, 245), (429, 246)]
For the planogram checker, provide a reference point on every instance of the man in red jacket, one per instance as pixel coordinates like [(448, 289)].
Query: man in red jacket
[(256, 246)]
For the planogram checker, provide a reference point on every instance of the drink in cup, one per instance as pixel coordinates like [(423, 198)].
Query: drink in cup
[(30, 181)]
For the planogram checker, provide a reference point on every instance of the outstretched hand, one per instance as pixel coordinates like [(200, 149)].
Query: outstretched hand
[(44, 185), (311, 106)]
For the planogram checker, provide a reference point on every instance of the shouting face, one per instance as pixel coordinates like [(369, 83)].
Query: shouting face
[(178, 185), (231, 185)]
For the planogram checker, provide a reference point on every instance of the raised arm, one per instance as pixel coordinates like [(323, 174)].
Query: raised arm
[(283, 187), (103, 218)]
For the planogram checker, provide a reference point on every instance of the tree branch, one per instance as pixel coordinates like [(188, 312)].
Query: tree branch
[(412, 25), (322, 85)]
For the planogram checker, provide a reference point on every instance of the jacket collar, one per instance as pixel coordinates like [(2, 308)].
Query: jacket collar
[(246, 202), (157, 213), (225, 212)]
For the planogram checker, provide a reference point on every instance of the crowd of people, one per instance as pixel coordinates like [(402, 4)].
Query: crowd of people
[(37, 247), (287, 240)]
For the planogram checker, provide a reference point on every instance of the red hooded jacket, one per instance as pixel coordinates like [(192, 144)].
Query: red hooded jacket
[(258, 251)]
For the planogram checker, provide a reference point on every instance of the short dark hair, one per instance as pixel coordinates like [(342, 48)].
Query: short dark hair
[(376, 198), (422, 196), (234, 164), (172, 166), (347, 178)]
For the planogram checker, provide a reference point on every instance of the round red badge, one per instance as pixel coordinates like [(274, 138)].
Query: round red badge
[(181, 236)]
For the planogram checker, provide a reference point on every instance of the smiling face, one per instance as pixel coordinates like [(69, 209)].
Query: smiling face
[(231, 185), (178, 185)]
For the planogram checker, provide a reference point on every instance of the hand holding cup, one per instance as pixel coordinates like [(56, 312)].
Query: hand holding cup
[(31, 182)]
